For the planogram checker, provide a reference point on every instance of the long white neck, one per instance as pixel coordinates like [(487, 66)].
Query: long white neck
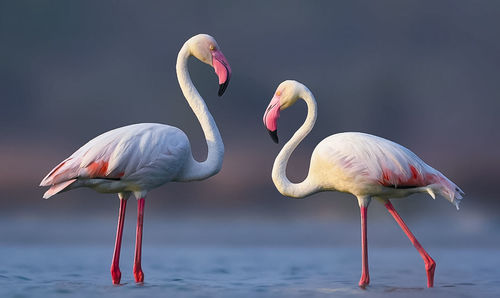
[(193, 169), (284, 186)]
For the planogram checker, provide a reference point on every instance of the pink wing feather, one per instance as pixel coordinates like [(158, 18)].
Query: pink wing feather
[(120, 153), (387, 163)]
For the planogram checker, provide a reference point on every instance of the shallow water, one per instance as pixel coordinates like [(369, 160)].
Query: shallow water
[(79, 267)]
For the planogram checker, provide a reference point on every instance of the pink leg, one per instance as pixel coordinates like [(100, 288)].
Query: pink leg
[(138, 274), (365, 275), (115, 264), (430, 265)]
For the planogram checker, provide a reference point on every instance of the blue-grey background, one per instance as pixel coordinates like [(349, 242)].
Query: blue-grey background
[(423, 74)]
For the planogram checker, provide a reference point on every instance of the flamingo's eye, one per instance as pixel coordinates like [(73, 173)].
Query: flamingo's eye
[(212, 47), (278, 93)]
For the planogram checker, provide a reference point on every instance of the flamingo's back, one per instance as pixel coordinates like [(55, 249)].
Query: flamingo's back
[(124, 154), (363, 159)]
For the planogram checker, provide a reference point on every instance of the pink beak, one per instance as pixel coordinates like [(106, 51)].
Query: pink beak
[(271, 118), (222, 69)]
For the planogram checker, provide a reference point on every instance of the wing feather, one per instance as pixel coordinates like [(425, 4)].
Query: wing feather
[(122, 152), (378, 160)]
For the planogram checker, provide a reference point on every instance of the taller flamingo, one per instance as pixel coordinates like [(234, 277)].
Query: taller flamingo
[(361, 164), (137, 158)]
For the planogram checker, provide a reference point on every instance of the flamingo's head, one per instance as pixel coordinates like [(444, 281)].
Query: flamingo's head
[(286, 95), (205, 48)]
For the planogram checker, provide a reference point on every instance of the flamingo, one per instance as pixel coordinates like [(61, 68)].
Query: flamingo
[(361, 164), (137, 158)]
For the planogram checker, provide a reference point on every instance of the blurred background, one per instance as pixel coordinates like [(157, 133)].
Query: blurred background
[(423, 74)]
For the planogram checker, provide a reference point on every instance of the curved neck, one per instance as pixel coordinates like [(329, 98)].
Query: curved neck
[(193, 169), (284, 186)]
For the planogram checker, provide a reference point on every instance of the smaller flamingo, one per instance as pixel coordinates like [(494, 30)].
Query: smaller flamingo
[(364, 165)]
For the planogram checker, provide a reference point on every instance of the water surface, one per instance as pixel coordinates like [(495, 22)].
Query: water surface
[(292, 265)]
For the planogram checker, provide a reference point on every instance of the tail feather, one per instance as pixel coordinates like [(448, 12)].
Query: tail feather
[(57, 188), (431, 193), (60, 173), (446, 189), (47, 180)]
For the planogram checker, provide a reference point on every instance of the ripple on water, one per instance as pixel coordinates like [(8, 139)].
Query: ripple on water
[(261, 289), (337, 290), (63, 291), (184, 289), (454, 285), (402, 289), (219, 271)]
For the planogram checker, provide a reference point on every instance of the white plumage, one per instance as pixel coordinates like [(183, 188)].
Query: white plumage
[(140, 157), (127, 159), (364, 165)]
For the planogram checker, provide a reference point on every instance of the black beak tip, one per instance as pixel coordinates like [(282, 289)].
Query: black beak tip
[(274, 135), (222, 89), (223, 86)]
